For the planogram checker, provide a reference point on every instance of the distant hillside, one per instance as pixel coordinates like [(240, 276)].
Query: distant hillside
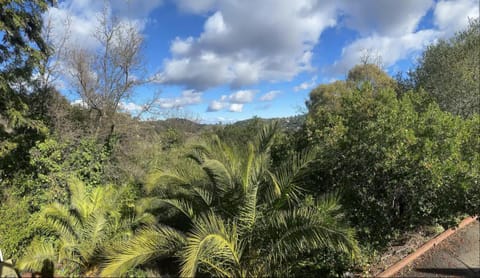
[(184, 125), (190, 127), (287, 123)]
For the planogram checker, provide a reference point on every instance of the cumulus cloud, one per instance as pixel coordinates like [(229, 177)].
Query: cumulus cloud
[(216, 105), (247, 42), (242, 96), (393, 40), (79, 18), (235, 107), (386, 17), (188, 97), (235, 51), (79, 102), (452, 16), (306, 85), (389, 48), (239, 52), (196, 6), (130, 107), (270, 95), (234, 101)]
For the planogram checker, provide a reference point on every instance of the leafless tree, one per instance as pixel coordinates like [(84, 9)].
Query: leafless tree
[(50, 68), (108, 75), (371, 56)]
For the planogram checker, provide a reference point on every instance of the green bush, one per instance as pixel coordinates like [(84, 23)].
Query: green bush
[(15, 227), (400, 162)]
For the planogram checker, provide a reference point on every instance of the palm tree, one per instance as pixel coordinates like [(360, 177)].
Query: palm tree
[(93, 220), (243, 218)]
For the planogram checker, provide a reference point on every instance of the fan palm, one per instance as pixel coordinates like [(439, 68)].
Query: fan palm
[(244, 220), (92, 221)]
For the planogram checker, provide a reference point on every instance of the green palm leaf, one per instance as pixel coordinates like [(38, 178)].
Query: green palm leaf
[(264, 140), (150, 243), (218, 173), (211, 245), (309, 228), (285, 186), (60, 219), (37, 253)]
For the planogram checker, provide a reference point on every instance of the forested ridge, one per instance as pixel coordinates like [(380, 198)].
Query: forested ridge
[(89, 190)]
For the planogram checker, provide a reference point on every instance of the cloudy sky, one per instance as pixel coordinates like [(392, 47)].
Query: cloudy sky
[(226, 60)]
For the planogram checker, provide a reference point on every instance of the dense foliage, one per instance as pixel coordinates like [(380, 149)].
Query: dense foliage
[(234, 215), (456, 90), (303, 196), (400, 161), (21, 49)]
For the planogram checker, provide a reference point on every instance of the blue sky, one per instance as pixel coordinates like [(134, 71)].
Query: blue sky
[(227, 60)]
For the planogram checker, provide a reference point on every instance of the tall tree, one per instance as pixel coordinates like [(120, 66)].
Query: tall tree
[(449, 70), (328, 95), (106, 76), (21, 50)]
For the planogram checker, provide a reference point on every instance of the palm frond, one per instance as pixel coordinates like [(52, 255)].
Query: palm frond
[(264, 139), (205, 195), (78, 193), (248, 210), (247, 167), (218, 174), (284, 183), (94, 234), (308, 228), (36, 254), (197, 153), (212, 245), (150, 243), (274, 189), (160, 179), (147, 204), (181, 205), (59, 218), (143, 219)]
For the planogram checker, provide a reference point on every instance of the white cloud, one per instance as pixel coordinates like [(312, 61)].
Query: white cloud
[(389, 49), (216, 105), (397, 41), (196, 6), (236, 107), (270, 96), (188, 97), (79, 18), (79, 102), (452, 16), (234, 101), (385, 17), (242, 96), (306, 85), (215, 25), (181, 47), (246, 42), (240, 45), (130, 107)]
